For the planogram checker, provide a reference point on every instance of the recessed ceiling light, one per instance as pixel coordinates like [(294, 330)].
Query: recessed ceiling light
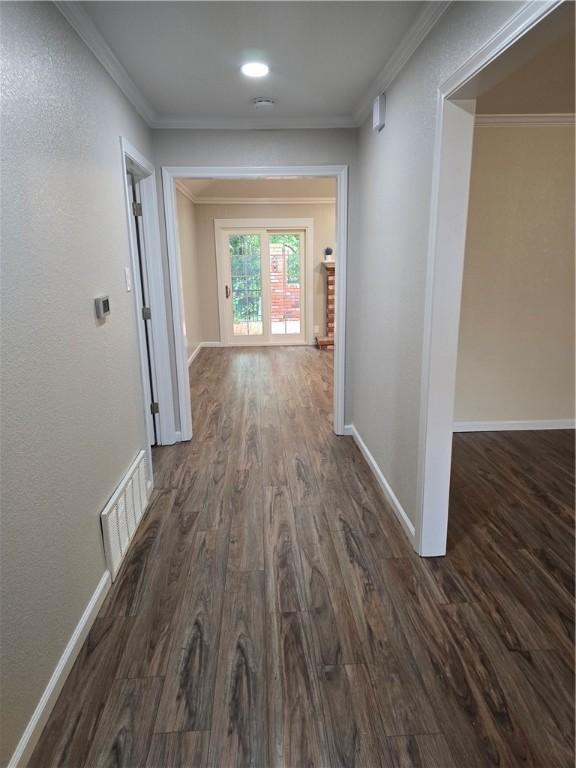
[(255, 69)]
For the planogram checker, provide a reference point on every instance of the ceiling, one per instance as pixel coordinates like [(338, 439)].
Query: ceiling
[(179, 62), (315, 188)]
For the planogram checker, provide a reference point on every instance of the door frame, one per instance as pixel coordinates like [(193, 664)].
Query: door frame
[(169, 176), (133, 160), (302, 225), (445, 264)]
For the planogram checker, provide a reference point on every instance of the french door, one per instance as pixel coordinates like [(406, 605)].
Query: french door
[(261, 274)]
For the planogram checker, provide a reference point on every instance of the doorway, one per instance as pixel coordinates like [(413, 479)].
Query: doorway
[(248, 315), (142, 292), (264, 281), (144, 277), (456, 107)]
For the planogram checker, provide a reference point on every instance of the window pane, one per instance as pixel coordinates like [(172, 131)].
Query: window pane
[(246, 284), (285, 279)]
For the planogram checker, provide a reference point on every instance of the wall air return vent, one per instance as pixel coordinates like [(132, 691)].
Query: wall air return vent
[(123, 512)]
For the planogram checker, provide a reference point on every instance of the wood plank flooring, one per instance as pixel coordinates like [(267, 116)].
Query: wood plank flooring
[(271, 613)]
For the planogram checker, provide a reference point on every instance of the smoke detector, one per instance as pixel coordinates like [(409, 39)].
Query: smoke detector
[(263, 103)]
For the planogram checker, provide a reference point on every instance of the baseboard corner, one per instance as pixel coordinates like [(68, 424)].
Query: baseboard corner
[(385, 486), (211, 344), (40, 716), (194, 354)]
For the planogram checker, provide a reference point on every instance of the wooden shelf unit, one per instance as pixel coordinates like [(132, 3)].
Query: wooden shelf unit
[(327, 341)]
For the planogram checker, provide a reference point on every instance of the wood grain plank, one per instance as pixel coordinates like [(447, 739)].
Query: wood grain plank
[(123, 736), (125, 596), (246, 505), (148, 647), (355, 732), (66, 738), (402, 699), (239, 733), (284, 578), (337, 639), (295, 715), (421, 751), (179, 750), (553, 683), (186, 702), (528, 733), (457, 688)]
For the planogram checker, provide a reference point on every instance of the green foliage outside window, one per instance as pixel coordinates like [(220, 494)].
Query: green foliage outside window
[(291, 244), (246, 281)]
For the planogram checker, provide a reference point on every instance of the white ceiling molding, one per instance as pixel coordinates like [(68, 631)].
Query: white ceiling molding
[(199, 200), (270, 122), (87, 30), (79, 20), (408, 45), (185, 191), (520, 121), (265, 200)]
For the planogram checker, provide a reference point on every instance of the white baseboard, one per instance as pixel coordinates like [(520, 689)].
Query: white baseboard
[(350, 429), (508, 426), (31, 734), (200, 346), (194, 354)]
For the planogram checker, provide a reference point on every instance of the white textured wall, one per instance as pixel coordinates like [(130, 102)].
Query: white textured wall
[(71, 394), (516, 345), (389, 236), (193, 283)]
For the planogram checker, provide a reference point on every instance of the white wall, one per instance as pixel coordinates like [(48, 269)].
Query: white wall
[(193, 281), (203, 255), (516, 345), (72, 407), (386, 283)]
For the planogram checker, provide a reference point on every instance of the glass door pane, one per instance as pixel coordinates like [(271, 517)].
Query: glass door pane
[(285, 283), (246, 278)]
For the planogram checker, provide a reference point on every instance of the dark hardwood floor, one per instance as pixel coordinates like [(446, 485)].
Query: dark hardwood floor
[(271, 613)]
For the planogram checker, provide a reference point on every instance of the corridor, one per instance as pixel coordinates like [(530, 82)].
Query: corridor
[(271, 612)]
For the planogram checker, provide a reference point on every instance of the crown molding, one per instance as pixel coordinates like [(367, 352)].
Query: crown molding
[(269, 122), (265, 201), (181, 187), (79, 20), (521, 121), (420, 28)]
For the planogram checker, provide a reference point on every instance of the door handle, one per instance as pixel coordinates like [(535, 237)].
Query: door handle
[(227, 292)]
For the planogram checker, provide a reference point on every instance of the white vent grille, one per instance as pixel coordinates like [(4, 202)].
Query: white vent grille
[(123, 512)]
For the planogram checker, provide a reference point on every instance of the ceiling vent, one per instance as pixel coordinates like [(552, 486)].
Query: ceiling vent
[(263, 104)]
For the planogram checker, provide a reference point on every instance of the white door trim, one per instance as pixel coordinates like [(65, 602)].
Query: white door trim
[(300, 224), (169, 176), (445, 261), (160, 361)]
